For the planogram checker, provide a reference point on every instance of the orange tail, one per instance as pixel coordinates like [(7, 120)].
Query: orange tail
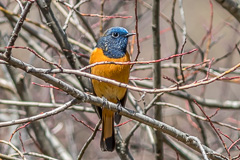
[(107, 140)]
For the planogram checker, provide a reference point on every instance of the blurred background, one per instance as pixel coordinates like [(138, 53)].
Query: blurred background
[(213, 31)]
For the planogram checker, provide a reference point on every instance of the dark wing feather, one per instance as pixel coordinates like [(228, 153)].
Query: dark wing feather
[(98, 110), (121, 103)]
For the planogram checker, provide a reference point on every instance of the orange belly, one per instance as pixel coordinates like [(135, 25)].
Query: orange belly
[(119, 73)]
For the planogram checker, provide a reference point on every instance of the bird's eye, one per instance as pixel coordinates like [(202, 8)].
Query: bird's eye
[(115, 35)]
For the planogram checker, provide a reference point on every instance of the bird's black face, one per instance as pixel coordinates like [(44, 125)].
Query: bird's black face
[(114, 42)]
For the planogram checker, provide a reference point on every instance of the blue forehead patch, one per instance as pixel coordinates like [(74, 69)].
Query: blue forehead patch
[(114, 47), (120, 30)]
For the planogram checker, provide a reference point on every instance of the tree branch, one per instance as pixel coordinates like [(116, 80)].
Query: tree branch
[(231, 6)]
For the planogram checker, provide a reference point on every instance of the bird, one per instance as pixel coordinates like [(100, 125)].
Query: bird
[(111, 47)]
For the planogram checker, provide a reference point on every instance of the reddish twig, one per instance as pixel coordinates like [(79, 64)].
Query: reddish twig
[(138, 62), (172, 80), (17, 28), (196, 65), (90, 15), (92, 129), (80, 54), (89, 140), (209, 34), (45, 86), (178, 158), (233, 143), (36, 54), (145, 38), (234, 28), (189, 118), (140, 79), (89, 127), (214, 113), (230, 119), (59, 57), (104, 19), (180, 60), (20, 138), (35, 142), (25, 125), (224, 135), (212, 125), (150, 36), (121, 124), (137, 34), (139, 89), (209, 67)]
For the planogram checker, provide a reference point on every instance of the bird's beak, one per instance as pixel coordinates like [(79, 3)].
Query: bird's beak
[(129, 34)]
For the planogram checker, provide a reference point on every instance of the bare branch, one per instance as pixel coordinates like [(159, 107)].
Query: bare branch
[(40, 116), (18, 27), (45, 105), (195, 115), (13, 147), (232, 7), (89, 140)]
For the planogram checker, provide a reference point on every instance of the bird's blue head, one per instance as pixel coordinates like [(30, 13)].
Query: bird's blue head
[(114, 42)]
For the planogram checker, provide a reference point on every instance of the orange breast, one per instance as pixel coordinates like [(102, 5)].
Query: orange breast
[(119, 73)]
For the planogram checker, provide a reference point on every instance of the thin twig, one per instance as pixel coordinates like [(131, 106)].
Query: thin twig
[(175, 36), (40, 116), (17, 28), (7, 157), (77, 25), (20, 138), (200, 125), (45, 105), (89, 140), (101, 19), (14, 148), (131, 133), (20, 4), (180, 61), (71, 13), (234, 143), (210, 103), (39, 155), (36, 54), (209, 34), (25, 125), (195, 115), (184, 26), (210, 121), (136, 29), (89, 127), (200, 146)]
